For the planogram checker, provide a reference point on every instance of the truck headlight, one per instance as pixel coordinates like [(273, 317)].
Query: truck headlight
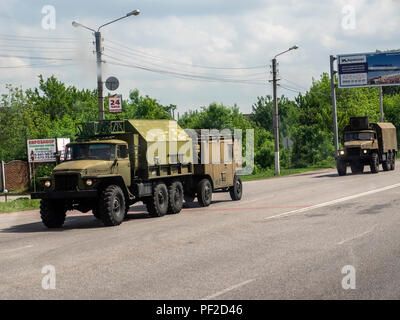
[(89, 182), (47, 184), (341, 152)]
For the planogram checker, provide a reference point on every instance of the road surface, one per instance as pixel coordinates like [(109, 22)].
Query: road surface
[(289, 238)]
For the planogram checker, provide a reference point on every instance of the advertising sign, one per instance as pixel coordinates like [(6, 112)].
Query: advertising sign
[(369, 69), (115, 103), (41, 150)]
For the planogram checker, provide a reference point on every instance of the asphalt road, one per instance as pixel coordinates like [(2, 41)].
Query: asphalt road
[(289, 238)]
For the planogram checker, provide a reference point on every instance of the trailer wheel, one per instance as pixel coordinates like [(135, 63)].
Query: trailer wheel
[(386, 165), (237, 189), (357, 167), (341, 167), (112, 206), (204, 192), (393, 162), (157, 206), (374, 163), (53, 213), (175, 194)]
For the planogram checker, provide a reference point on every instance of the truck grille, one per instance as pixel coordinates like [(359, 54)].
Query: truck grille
[(66, 182), (353, 151)]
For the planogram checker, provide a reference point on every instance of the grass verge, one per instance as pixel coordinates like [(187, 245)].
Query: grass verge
[(20, 204), (267, 174)]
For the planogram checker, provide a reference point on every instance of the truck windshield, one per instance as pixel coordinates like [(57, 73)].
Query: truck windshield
[(96, 151), (354, 136)]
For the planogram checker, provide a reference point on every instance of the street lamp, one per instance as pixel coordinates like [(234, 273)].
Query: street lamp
[(97, 35), (276, 111)]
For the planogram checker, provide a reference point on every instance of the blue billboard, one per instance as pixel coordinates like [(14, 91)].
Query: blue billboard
[(369, 69)]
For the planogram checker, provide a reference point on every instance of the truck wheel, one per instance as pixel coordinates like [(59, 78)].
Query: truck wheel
[(357, 167), (112, 206), (341, 167), (175, 194), (387, 164), (374, 163), (157, 206), (52, 213), (204, 192), (237, 189)]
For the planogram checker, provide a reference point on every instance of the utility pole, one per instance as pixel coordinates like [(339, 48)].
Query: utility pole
[(276, 116), (99, 50), (100, 96), (276, 109), (334, 111), (382, 116)]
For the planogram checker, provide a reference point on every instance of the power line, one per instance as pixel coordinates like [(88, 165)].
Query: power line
[(138, 52), (36, 58), (252, 76), (290, 89), (184, 75), (294, 83)]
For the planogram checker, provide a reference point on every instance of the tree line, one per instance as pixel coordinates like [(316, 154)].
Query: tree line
[(52, 110)]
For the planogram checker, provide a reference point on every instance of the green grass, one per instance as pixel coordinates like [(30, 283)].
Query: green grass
[(267, 174), (20, 204)]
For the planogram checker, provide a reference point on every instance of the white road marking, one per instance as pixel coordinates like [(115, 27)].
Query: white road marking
[(356, 237), (329, 203), (228, 289), (15, 249)]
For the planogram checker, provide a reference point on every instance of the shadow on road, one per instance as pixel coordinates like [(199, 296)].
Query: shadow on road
[(335, 175)]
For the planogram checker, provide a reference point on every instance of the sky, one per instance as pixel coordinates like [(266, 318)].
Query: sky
[(190, 53)]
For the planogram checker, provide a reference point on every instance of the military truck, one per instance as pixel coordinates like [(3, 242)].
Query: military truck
[(367, 143), (114, 164)]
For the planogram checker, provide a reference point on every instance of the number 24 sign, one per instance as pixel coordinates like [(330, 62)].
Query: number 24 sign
[(115, 103)]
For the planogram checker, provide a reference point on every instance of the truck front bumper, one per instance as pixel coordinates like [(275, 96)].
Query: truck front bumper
[(64, 194)]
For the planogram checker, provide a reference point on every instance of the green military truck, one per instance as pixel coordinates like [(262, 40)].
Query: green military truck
[(114, 164), (367, 143)]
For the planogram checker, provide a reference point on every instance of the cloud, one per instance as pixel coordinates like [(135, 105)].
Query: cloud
[(171, 35)]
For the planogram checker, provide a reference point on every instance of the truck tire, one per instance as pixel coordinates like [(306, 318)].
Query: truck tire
[(53, 213), (175, 196), (387, 164), (112, 206), (204, 192), (237, 189), (157, 206), (357, 167), (374, 163), (341, 167)]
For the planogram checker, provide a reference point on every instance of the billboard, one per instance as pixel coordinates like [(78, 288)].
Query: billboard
[(41, 150), (369, 69)]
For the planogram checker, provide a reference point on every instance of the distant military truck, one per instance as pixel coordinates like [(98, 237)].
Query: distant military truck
[(367, 143), (114, 164)]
